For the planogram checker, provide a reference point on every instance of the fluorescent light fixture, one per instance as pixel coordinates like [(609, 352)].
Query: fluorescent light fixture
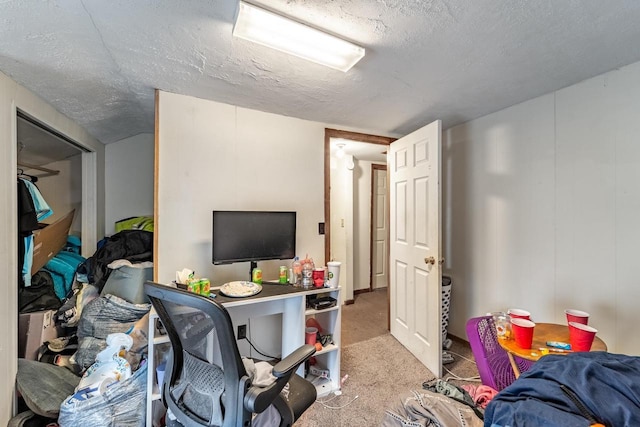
[(278, 32)]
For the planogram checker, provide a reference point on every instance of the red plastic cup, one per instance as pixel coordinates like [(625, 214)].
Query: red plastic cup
[(516, 313), (318, 277), (581, 336), (523, 332), (310, 335), (312, 322), (577, 316)]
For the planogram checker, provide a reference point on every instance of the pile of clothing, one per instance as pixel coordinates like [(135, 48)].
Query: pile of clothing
[(127, 248), (106, 298), (440, 403)]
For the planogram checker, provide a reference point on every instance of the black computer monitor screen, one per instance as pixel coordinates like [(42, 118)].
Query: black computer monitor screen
[(240, 236)]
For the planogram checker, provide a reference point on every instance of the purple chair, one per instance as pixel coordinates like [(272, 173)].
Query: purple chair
[(491, 359)]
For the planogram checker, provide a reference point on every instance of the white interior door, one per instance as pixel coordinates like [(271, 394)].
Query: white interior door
[(415, 286), (379, 245)]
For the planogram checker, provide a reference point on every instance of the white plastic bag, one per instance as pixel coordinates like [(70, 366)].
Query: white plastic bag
[(121, 405)]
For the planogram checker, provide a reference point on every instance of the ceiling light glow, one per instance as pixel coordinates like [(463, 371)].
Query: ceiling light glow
[(275, 31)]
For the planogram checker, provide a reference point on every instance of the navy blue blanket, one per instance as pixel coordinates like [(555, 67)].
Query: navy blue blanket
[(608, 385)]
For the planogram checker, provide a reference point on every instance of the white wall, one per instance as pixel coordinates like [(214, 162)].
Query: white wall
[(541, 207), (218, 156), (63, 192), (14, 96), (342, 206), (351, 204), (128, 179), (362, 215)]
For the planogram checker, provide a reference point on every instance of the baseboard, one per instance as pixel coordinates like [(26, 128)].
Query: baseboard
[(349, 302), (364, 291)]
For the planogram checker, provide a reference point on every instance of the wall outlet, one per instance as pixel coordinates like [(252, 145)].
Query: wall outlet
[(242, 331)]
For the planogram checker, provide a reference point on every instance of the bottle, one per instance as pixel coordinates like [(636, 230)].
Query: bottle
[(256, 276), (296, 267), (282, 275), (307, 273)]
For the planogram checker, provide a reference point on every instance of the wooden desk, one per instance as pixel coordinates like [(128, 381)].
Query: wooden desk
[(542, 333)]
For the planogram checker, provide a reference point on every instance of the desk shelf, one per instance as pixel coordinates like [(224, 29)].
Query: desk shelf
[(312, 311), (329, 357), (292, 306), (327, 349), (158, 343)]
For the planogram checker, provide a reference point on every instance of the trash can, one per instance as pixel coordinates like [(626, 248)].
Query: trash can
[(446, 303)]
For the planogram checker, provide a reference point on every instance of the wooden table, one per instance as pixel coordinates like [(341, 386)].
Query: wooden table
[(542, 333)]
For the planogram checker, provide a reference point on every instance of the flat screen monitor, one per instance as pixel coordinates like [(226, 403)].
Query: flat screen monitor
[(240, 236)]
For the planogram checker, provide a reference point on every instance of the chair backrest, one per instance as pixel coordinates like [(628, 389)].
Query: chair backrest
[(491, 359), (195, 386)]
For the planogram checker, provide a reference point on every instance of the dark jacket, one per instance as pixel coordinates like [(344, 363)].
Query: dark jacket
[(132, 245)]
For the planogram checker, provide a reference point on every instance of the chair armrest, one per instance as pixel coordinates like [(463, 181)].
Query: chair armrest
[(257, 399), (293, 360)]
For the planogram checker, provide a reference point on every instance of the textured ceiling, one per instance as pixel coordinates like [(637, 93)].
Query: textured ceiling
[(99, 61)]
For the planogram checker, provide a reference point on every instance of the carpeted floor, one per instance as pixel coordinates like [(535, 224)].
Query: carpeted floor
[(380, 369), (366, 318)]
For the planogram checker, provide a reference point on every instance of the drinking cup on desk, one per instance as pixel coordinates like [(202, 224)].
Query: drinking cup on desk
[(581, 336), (516, 313), (311, 335), (577, 316), (318, 277), (333, 268), (523, 332)]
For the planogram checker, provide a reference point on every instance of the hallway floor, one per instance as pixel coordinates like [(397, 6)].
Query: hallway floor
[(366, 318)]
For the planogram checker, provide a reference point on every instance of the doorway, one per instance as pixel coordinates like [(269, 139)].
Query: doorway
[(379, 233), (342, 231)]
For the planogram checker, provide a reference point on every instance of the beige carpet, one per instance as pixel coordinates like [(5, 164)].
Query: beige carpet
[(366, 318), (379, 368)]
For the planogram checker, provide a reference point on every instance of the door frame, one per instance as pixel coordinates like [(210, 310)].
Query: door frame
[(376, 167), (354, 136)]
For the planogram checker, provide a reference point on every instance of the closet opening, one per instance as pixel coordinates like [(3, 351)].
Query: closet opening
[(57, 206), (55, 162)]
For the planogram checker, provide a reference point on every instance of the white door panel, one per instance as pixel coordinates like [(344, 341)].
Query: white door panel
[(414, 179), (380, 244)]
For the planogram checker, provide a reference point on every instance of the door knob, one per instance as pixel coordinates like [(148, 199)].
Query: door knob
[(432, 260)]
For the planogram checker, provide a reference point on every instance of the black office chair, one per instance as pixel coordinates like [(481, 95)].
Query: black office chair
[(202, 391)]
